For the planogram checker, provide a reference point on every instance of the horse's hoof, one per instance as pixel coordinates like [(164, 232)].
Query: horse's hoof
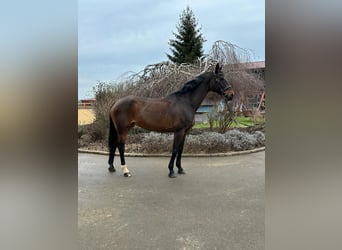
[(111, 169), (181, 172), (127, 174), (172, 175)]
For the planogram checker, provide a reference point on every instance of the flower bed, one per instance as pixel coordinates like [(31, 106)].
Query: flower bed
[(205, 142)]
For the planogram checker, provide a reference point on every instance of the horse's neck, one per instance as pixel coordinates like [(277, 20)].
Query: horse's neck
[(197, 96)]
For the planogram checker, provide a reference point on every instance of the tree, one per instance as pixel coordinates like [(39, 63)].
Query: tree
[(187, 46)]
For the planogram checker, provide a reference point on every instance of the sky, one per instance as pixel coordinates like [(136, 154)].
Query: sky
[(117, 37)]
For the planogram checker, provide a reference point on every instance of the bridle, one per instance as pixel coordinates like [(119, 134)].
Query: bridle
[(223, 89)]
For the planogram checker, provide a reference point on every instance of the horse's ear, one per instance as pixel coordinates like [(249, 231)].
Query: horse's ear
[(217, 68)]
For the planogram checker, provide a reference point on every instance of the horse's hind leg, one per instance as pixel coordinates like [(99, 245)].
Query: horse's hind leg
[(121, 146), (124, 168)]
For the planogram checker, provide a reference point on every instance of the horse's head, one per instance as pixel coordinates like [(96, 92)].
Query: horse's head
[(221, 85)]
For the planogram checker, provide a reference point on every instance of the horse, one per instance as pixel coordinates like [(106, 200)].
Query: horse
[(173, 113)]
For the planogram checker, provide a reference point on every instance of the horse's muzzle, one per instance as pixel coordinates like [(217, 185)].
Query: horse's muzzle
[(228, 93)]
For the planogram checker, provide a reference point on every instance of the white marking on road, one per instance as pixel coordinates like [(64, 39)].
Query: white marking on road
[(223, 164), (121, 227)]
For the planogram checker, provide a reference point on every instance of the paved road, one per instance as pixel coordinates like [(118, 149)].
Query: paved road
[(218, 204)]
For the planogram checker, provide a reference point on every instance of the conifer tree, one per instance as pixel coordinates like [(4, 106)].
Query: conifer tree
[(188, 43)]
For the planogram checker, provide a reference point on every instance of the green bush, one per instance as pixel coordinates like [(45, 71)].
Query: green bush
[(80, 131)]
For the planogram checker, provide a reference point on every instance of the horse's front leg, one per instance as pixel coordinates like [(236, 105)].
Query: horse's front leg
[(171, 163), (177, 144), (179, 154), (179, 158)]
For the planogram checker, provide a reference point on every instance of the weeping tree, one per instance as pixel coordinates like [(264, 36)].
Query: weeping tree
[(236, 63), (161, 79)]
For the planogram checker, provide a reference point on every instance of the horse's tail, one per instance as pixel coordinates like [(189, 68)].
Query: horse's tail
[(112, 132), (112, 140)]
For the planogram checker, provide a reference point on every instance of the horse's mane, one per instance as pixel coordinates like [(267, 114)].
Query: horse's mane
[(191, 85)]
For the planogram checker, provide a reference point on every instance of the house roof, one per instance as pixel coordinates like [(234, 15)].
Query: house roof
[(254, 65), (248, 65)]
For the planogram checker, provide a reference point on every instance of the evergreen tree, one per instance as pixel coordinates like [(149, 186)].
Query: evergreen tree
[(188, 43)]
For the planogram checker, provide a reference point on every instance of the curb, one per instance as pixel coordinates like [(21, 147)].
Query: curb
[(183, 155)]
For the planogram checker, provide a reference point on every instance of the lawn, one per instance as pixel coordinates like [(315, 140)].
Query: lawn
[(241, 122)]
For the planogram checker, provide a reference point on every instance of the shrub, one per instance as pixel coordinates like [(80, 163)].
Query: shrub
[(244, 141), (98, 130), (137, 130), (207, 142), (156, 143), (80, 131), (260, 138)]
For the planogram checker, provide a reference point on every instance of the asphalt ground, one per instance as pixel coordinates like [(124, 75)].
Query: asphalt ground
[(218, 204)]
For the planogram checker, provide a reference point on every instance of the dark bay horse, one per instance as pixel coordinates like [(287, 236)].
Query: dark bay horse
[(173, 113)]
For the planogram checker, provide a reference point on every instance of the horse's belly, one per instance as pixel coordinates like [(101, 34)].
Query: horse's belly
[(158, 115), (159, 123)]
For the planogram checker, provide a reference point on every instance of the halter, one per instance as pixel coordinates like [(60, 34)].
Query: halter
[(223, 89)]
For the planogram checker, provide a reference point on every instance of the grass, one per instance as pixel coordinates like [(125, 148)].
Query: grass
[(201, 125), (241, 122)]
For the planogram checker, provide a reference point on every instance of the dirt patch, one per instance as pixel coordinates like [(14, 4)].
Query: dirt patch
[(85, 116)]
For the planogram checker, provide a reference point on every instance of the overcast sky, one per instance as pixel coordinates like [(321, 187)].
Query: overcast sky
[(115, 37)]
